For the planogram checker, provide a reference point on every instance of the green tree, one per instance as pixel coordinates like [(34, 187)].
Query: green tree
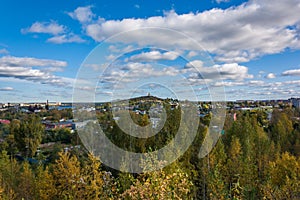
[(28, 135), (281, 130)]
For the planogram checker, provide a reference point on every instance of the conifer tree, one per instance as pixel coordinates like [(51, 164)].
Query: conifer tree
[(44, 184), (68, 178)]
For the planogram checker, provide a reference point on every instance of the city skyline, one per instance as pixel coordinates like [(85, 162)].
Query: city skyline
[(250, 49)]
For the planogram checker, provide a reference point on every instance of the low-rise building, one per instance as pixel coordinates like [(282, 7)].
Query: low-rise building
[(4, 121), (54, 125)]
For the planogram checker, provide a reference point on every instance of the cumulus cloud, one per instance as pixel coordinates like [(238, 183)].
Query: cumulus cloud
[(82, 14), (45, 27), (192, 54), (251, 83), (256, 83), (6, 89), (4, 51), (231, 71), (66, 38), (220, 1), (236, 34), (33, 69), (133, 71), (146, 70), (227, 84), (59, 32), (195, 74), (29, 61), (115, 49), (153, 56), (270, 76), (293, 72)]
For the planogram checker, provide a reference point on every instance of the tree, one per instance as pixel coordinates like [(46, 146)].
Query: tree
[(173, 183), (284, 178), (44, 184), (234, 167), (9, 171), (281, 130), (1, 189), (26, 188), (216, 185), (12, 146), (68, 178), (98, 184), (28, 135), (160, 185)]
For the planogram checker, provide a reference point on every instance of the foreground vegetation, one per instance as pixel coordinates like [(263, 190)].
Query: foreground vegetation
[(256, 158)]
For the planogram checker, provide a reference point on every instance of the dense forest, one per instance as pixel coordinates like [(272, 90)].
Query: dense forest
[(255, 158)]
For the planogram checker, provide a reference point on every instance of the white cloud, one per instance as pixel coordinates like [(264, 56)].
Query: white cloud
[(220, 1), (192, 54), (6, 89), (4, 51), (198, 64), (293, 72), (138, 70), (59, 33), (153, 56), (194, 72), (45, 27), (295, 82), (29, 61), (115, 49), (25, 68), (271, 76), (231, 71), (66, 38), (227, 84), (256, 83), (133, 71), (111, 57), (236, 34), (239, 83), (82, 14), (97, 67)]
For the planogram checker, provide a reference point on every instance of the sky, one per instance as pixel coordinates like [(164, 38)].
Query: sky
[(65, 51)]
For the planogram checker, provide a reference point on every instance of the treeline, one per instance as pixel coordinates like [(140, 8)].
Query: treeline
[(256, 158), (68, 178)]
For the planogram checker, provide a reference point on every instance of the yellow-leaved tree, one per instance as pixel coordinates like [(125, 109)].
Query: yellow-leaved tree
[(98, 184), (173, 183), (26, 187), (45, 184), (284, 178), (69, 181)]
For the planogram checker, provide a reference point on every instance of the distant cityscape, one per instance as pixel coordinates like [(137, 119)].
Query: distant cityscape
[(238, 104), (135, 106)]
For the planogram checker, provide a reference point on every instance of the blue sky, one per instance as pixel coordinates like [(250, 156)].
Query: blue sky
[(183, 49)]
